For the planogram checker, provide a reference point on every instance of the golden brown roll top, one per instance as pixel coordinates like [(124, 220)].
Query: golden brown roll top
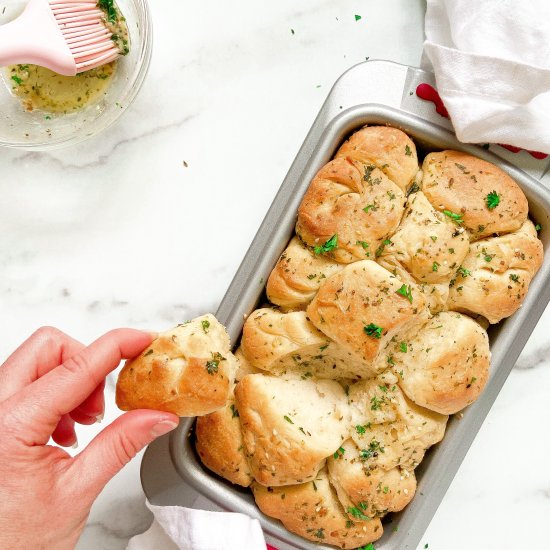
[(290, 426), (362, 307), (348, 210), (495, 275), (298, 274), (188, 371), (313, 511), (428, 244), (368, 491), (389, 149), (473, 192), (445, 365), (392, 430)]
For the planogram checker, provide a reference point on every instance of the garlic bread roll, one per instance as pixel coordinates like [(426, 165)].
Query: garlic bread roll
[(428, 243), (389, 149), (220, 444), (284, 343), (188, 370), (486, 199), (298, 275), (348, 210), (445, 365), (363, 307), (372, 492), (290, 426), (495, 275), (313, 511), (396, 431)]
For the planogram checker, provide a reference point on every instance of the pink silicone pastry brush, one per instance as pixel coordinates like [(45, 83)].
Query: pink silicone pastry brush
[(66, 36)]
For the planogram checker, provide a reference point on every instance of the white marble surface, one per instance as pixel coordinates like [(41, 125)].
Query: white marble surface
[(117, 232)]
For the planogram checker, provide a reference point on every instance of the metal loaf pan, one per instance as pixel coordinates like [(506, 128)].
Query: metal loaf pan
[(507, 339)]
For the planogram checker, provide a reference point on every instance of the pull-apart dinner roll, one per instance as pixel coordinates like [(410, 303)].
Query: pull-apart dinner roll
[(290, 426), (220, 444), (298, 274), (389, 149), (188, 371), (313, 511), (394, 431), (495, 275), (284, 343), (366, 491), (363, 307), (428, 244), (348, 210), (445, 365), (474, 192)]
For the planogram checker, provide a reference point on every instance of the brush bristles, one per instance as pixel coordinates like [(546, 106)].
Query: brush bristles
[(83, 27)]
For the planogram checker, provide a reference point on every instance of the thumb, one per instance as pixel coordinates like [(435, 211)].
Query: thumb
[(117, 444)]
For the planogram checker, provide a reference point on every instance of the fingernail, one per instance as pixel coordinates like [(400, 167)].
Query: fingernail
[(163, 427), (100, 417)]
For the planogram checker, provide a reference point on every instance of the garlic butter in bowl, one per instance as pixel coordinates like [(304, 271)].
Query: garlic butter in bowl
[(40, 109)]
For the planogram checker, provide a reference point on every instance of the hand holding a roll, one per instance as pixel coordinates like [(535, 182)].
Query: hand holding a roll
[(47, 385)]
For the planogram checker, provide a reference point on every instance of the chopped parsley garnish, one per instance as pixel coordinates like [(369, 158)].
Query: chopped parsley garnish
[(463, 271), (403, 347), (372, 207), (373, 330), (408, 151), (372, 451), (320, 533), (212, 366), (205, 325), (375, 403), (369, 546), (413, 189), (357, 17), (457, 218), (234, 411), (406, 292), (385, 490), (435, 266), (331, 244), (368, 171), (17, 80), (339, 453), (356, 513), (365, 246), (381, 248), (361, 429), (492, 200), (514, 277), (108, 6), (292, 31), (434, 238), (538, 227), (289, 420), (148, 352), (486, 256), (323, 348)]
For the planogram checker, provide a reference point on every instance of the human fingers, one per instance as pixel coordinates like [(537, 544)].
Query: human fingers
[(40, 406), (44, 350), (116, 445), (64, 433)]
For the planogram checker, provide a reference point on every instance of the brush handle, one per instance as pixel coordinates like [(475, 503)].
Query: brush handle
[(34, 37)]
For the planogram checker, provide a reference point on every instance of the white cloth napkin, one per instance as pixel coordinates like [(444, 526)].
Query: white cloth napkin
[(491, 60), (178, 528)]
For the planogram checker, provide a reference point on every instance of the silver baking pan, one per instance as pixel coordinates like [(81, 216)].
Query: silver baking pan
[(405, 529)]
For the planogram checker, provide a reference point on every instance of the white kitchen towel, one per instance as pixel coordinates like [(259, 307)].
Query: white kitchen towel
[(178, 528), (491, 60)]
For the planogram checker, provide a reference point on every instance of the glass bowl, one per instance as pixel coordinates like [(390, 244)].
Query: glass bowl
[(38, 131)]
